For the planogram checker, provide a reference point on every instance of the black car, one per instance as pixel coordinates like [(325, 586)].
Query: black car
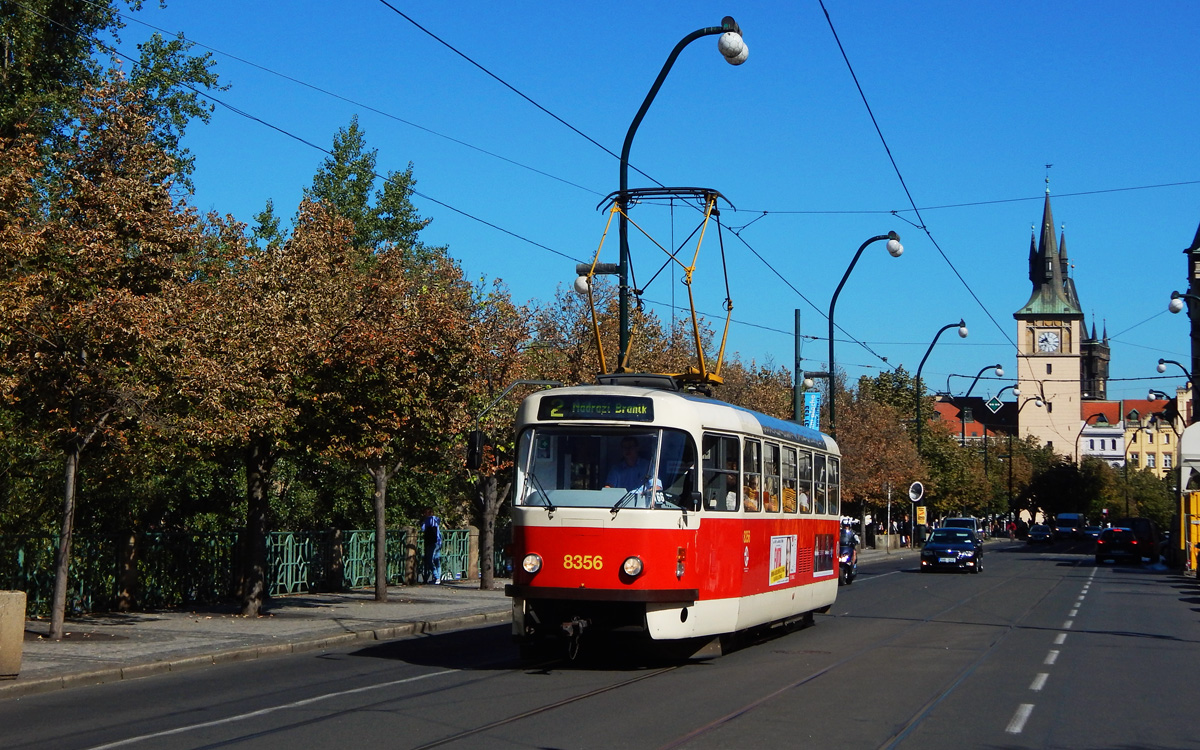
[(1146, 532), (1119, 543), (1039, 533), (952, 549)]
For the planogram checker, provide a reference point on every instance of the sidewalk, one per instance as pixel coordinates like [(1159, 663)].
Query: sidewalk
[(119, 646)]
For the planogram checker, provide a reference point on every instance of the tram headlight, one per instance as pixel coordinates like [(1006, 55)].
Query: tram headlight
[(632, 566), (532, 563)]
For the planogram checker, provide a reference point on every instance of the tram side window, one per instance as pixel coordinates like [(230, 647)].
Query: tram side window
[(835, 486), (771, 477), (804, 470), (722, 485), (752, 475), (789, 480), (819, 486)]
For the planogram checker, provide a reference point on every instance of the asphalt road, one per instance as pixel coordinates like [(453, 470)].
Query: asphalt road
[(1042, 650)]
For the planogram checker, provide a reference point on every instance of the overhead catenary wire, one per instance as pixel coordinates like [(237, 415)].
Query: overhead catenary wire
[(920, 224), (496, 227)]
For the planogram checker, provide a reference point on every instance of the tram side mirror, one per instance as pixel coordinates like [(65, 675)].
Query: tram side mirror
[(476, 440), (695, 498)]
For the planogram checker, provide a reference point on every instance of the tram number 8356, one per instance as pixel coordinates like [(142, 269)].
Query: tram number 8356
[(583, 562)]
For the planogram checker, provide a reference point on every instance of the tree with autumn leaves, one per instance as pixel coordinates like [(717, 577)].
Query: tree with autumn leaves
[(89, 236)]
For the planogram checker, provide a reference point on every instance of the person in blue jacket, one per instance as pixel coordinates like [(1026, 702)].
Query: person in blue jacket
[(431, 537)]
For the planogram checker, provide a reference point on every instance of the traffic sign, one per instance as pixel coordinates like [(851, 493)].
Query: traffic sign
[(994, 404)]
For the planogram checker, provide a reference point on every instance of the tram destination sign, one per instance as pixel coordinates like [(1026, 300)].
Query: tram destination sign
[(614, 408)]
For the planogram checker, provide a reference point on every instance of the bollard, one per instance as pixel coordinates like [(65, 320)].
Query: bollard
[(12, 633)]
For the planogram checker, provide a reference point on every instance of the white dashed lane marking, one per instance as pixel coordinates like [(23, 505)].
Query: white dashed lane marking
[(1039, 682), (1019, 718)]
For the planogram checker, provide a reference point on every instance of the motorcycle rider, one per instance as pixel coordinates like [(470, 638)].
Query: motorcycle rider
[(849, 538)]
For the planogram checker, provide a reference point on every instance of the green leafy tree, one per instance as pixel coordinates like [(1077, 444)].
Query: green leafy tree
[(345, 183), (46, 60), (51, 50), (170, 80)]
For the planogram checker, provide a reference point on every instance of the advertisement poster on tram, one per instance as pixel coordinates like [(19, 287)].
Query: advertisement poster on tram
[(783, 559)]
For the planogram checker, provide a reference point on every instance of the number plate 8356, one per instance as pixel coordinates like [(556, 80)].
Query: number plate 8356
[(583, 562)]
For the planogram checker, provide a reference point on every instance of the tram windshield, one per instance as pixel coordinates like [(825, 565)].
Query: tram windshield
[(606, 468)]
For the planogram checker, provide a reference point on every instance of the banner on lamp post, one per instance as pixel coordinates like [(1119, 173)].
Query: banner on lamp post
[(812, 409)]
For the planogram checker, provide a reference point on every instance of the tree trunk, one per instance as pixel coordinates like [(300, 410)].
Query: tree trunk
[(381, 474), (258, 466), (62, 561), (491, 497)]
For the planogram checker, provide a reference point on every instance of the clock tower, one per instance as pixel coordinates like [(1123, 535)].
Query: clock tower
[(1050, 333)]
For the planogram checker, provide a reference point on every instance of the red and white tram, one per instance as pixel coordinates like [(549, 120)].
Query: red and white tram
[(638, 507)]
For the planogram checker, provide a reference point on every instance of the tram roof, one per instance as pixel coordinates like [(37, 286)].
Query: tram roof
[(770, 426)]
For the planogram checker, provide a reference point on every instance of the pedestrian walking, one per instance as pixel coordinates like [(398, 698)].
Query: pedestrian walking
[(431, 537)]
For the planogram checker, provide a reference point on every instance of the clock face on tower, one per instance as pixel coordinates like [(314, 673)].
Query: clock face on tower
[(1048, 341)]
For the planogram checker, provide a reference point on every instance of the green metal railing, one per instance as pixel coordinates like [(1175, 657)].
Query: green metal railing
[(175, 569)]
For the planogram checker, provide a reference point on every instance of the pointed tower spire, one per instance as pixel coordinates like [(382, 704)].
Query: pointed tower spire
[(1053, 289)]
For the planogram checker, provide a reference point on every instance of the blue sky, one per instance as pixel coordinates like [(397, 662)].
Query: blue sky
[(973, 100)]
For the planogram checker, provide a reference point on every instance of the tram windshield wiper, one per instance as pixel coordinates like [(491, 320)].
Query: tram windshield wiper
[(624, 499), (537, 485)]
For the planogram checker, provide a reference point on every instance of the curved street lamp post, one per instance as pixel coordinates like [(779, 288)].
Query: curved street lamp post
[(962, 438), (733, 48), (896, 250), (962, 333)]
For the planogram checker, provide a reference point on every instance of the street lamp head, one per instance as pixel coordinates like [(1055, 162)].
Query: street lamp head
[(1038, 402), (733, 48), (999, 371), (895, 248), (808, 383), (583, 285), (1162, 365), (962, 329), (1016, 392), (1176, 303)]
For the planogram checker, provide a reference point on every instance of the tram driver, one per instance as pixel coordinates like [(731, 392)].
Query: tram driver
[(632, 471)]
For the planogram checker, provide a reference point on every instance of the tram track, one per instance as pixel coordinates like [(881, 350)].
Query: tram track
[(547, 708), (866, 652)]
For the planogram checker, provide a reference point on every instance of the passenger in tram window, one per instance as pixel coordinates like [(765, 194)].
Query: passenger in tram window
[(770, 500), (751, 476), (771, 478), (789, 500), (632, 471), (804, 470), (753, 494), (789, 480), (731, 491)]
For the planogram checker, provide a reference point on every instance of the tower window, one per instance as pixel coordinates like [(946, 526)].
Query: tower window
[(1049, 368)]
